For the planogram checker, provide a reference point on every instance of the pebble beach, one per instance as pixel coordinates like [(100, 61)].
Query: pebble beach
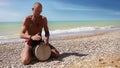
[(88, 51)]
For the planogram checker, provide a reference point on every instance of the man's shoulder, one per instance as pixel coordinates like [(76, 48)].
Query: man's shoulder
[(28, 17), (43, 17)]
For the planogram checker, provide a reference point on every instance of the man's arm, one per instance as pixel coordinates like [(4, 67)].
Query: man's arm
[(23, 30), (46, 29)]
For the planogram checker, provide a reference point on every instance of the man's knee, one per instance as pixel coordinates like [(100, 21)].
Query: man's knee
[(55, 53), (26, 61)]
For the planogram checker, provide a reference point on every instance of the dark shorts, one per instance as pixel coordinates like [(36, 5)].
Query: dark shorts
[(33, 44)]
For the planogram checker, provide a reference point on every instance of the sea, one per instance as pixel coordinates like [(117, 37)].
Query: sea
[(9, 31)]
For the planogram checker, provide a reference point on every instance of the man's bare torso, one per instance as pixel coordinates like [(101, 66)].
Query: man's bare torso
[(34, 26)]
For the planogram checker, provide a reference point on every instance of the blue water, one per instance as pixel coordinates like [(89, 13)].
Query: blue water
[(60, 28)]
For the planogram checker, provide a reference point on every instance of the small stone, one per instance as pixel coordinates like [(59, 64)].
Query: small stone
[(100, 59), (0, 60)]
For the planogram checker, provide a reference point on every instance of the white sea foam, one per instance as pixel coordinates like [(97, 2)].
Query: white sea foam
[(61, 32), (78, 29), (3, 37)]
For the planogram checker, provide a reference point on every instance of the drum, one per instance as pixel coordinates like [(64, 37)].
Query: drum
[(42, 52)]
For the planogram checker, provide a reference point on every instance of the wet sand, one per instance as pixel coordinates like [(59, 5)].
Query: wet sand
[(90, 51)]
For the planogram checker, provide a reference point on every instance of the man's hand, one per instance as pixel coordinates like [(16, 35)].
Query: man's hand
[(36, 37), (46, 41)]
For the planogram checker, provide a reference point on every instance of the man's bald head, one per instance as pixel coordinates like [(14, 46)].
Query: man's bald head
[(37, 4), (37, 9)]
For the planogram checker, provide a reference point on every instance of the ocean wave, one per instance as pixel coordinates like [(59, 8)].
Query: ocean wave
[(3, 37), (7, 36), (60, 31), (78, 29)]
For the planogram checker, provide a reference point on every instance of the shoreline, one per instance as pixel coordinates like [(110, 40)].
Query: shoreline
[(63, 36), (82, 36), (5, 41)]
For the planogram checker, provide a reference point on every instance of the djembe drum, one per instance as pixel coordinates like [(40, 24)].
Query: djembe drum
[(42, 51)]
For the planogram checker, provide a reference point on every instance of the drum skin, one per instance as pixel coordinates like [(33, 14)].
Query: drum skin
[(42, 52)]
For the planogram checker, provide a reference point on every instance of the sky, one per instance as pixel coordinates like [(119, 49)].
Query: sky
[(61, 10)]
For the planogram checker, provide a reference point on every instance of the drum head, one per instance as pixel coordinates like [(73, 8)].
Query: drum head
[(42, 52)]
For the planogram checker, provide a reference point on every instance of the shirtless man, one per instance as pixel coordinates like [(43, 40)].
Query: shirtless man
[(31, 31)]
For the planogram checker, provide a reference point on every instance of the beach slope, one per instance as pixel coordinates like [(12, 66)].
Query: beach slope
[(90, 51)]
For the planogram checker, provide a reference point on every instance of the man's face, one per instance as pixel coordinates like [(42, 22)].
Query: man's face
[(37, 10)]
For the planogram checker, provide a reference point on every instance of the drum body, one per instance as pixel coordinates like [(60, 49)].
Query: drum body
[(42, 52)]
